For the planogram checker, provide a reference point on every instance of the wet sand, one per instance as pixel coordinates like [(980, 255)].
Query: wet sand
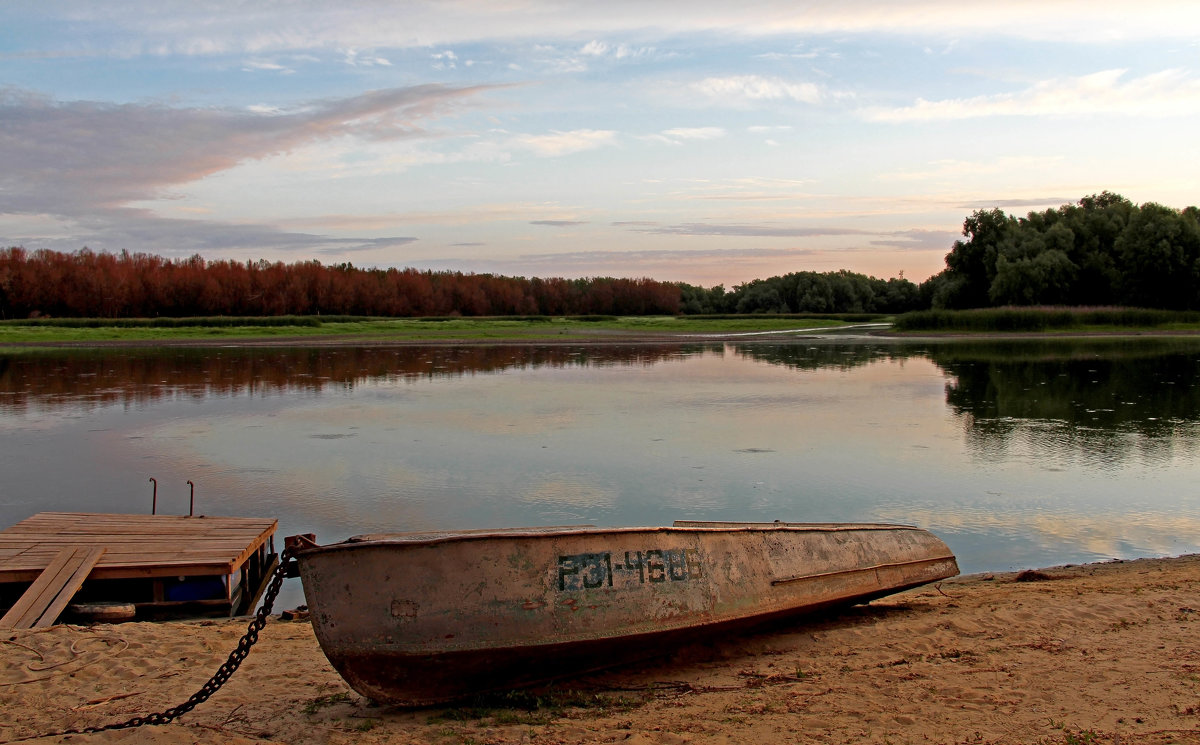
[(1099, 653)]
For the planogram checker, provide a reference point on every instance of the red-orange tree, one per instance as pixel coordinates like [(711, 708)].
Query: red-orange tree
[(87, 284)]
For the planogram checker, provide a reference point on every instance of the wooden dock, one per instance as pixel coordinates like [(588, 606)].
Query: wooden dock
[(159, 563)]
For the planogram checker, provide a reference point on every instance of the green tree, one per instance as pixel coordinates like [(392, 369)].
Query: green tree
[(1096, 222), (813, 293), (852, 292), (899, 296), (971, 264), (1157, 255), (761, 297), (1043, 279), (695, 300)]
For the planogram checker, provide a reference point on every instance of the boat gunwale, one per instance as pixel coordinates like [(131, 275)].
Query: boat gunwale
[(433, 538)]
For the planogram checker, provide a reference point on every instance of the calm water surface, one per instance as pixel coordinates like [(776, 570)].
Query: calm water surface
[(1018, 454)]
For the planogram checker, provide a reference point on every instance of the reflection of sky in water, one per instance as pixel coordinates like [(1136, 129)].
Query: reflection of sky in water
[(716, 434), (704, 436)]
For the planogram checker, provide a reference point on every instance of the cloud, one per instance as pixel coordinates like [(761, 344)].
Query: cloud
[(671, 254), (141, 231), (264, 65), (695, 133), (743, 195), (595, 49), (741, 189), (678, 135), (355, 58), (810, 54), (565, 143), (959, 170), (66, 157), (918, 239), (755, 231), (617, 51), (636, 263), (85, 162), (738, 89), (1166, 93), (151, 27), (558, 223), (1029, 203), (912, 239)]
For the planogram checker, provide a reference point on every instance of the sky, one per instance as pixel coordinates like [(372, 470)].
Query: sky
[(701, 141)]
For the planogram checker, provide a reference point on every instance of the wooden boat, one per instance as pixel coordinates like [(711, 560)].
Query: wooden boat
[(421, 618)]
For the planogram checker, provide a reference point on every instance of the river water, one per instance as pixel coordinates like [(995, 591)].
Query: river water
[(1018, 454)]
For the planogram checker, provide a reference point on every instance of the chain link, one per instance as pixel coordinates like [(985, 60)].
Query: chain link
[(223, 673)]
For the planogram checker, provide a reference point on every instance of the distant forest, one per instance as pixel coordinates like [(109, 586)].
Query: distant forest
[(1101, 251), (86, 284)]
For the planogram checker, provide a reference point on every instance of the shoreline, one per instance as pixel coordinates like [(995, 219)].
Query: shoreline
[(1085, 653), (598, 337)]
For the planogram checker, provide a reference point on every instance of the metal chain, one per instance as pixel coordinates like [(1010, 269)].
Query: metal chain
[(223, 673)]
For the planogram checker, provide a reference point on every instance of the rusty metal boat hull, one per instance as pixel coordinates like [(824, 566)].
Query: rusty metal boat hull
[(415, 619)]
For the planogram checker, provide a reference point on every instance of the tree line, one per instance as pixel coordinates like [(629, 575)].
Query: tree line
[(87, 284), (1101, 251), (807, 292)]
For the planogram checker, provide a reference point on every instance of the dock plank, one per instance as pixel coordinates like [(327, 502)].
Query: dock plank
[(49, 594), (135, 545), (15, 617), (87, 559)]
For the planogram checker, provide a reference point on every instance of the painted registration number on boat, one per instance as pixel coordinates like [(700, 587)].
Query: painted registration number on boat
[(591, 571)]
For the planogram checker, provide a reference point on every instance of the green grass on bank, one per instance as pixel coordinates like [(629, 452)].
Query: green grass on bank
[(1050, 319), (217, 329), (221, 329)]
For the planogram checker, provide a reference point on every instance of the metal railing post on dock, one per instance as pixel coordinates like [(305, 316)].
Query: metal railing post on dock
[(154, 499)]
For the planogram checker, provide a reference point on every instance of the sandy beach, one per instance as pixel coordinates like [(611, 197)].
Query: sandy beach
[(1099, 653)]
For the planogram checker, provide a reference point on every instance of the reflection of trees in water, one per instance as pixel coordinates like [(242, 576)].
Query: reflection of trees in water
[(1107, 401), (144, 376), (1102, 398), (1140, 388), (826, 356)]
